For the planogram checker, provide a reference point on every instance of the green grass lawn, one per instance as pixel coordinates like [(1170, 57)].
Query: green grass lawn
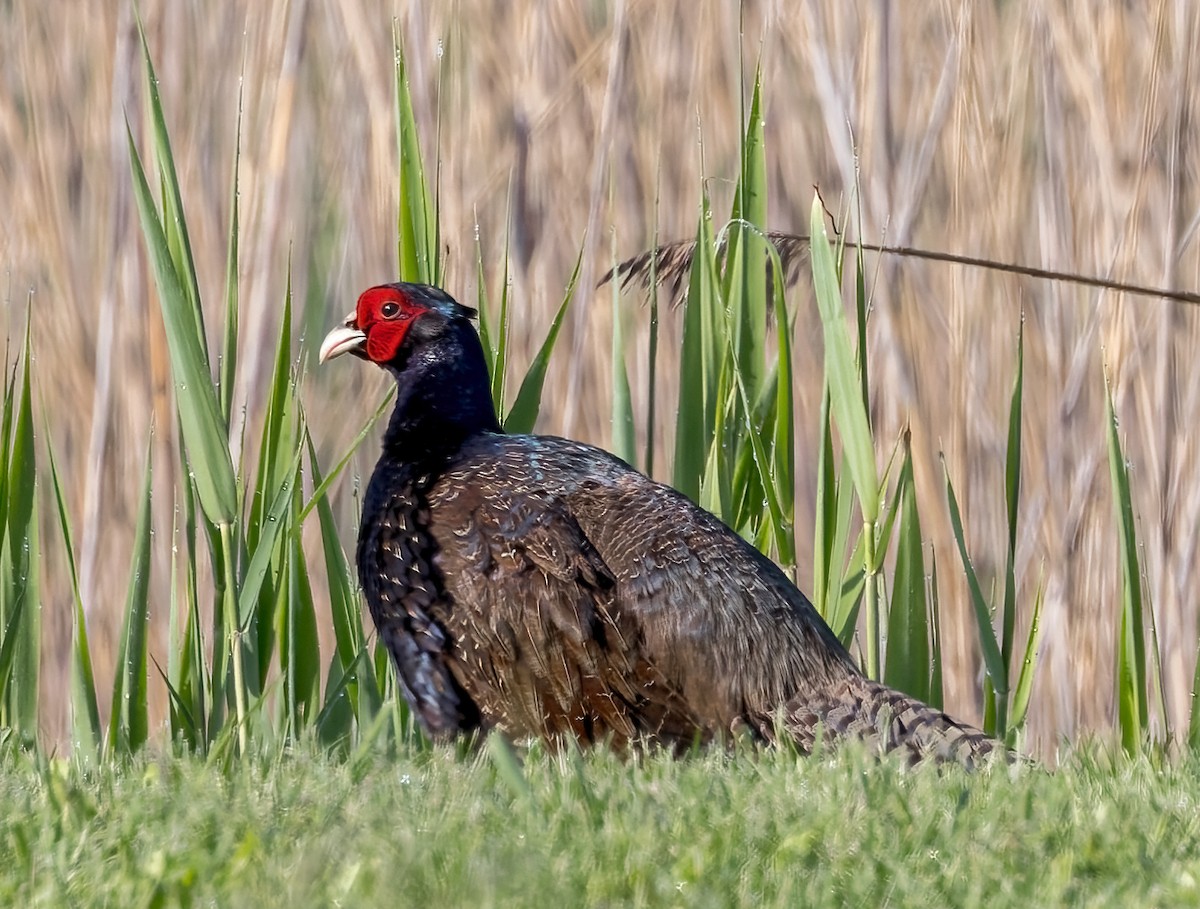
[(433, 829)]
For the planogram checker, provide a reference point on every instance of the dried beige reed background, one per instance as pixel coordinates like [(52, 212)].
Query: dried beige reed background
[(1048, 132)]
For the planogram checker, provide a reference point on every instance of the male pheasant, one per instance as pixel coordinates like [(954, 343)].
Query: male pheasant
[(545, 588)]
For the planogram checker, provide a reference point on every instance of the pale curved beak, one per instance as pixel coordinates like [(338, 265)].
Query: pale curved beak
[(346, 338)]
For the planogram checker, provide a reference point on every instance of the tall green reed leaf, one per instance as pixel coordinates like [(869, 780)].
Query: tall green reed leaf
[(846, 401), (838, 580), (1193, 736), (21, 608), (652, 347), (229, 341), (87, 736), (908, 663), (783, 443), (744, 287), (529, 398), (192, 707), (1012, 500), (849, 409), (493, 338), (205, 433), (278, 449), (128, 725), (1023, 690), (360, 685), (936, 691), (174, 223), (993, 659), (1132, 709), (417, 244), (299, 650), (699, 365), (623, 442), (323, 483)]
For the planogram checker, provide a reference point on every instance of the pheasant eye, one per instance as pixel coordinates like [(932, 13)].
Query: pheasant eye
[(389, 310)]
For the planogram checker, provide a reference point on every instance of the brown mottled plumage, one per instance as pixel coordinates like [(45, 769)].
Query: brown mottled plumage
[(545, 588)]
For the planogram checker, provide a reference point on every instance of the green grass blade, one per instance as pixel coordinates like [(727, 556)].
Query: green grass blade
[(529, 399), (716, 485), (500, 369), (748, 495), (174, 221), (845, 390), (1158, 678), (652, 349), (8, 653), (623, 443), (1131, 649), (193, 677), (349, 640), (494, 337), (260, 562), (180, 719), (891, 511), (907, 667), (825, 514), (507, 763), (1012, 498), (417, 244), (299, 651), (21, 560), (128, 721), (6, 428), (184, 727), (487, 334), (697, 412), (744, 287), (229, 340), (844, 380), (278, 444), (850, 412), (250, 634), (1194, 717), (861, 312), (852, 578), (334, 723), (322, 486), (936, 690), (1023, 690), (87, 736), (993, 660), (838, 583), (753, 435), (783, 446), (205, 433)]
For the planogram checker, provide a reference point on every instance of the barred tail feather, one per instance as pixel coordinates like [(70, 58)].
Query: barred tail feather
[(857, 708)]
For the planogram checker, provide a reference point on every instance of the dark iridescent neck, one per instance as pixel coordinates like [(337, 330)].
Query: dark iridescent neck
[(443, 398)]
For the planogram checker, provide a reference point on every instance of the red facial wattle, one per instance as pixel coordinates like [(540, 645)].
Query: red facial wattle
[(384, 315)]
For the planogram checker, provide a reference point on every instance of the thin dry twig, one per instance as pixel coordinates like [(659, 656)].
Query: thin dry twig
[(675, 262)]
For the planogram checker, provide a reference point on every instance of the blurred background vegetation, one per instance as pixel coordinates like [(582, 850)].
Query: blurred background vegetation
[(1050, 133)]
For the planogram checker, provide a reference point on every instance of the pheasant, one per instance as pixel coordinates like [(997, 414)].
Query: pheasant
[(544, 588)]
